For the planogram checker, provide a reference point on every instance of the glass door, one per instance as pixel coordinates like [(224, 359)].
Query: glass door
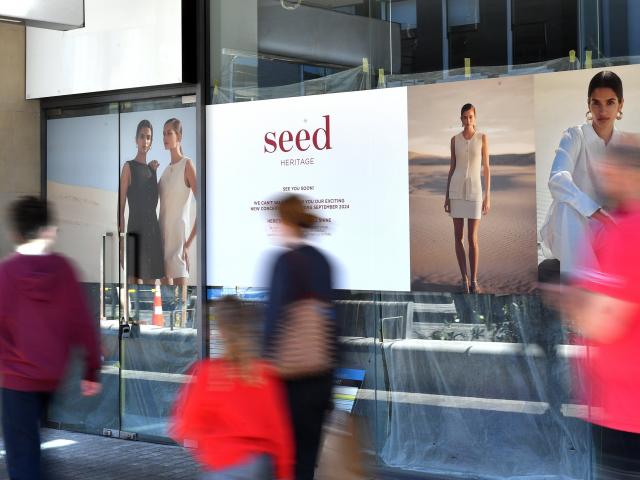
[(82, 187), (156, 221), (121, 178)]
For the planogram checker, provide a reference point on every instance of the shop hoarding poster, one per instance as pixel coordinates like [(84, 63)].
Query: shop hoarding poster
[(496, 204), (345, 153), (568, 148), (412, 198), (87, 188), (159, 201)]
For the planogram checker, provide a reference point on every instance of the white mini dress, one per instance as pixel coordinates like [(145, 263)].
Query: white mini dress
[(465, 188), (175, 202)]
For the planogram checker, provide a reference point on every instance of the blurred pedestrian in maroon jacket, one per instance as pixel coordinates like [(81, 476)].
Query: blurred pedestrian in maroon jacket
[(43, 315)]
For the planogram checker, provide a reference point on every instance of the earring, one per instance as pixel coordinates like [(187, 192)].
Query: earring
[(589, 116), (619, 115)]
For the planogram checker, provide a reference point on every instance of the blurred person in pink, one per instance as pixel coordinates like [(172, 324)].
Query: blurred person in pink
[(603, 306), (234, 408), (43, 315)]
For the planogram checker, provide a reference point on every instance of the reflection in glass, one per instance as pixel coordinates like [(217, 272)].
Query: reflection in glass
[(260, 50), (454, 384)]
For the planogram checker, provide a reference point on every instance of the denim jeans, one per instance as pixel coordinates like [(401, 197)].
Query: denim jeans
[(259, 467), (21, 416)]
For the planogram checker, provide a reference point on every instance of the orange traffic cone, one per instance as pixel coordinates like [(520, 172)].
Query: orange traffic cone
[(158, 317)]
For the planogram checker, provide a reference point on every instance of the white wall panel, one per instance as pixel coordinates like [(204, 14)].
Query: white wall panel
[(123, 45)]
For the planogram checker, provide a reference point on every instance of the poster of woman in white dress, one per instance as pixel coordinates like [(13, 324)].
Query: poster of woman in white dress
[(472, 197), (177, 187)]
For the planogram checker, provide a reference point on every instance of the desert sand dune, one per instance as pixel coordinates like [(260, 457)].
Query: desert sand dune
[(507, 236)]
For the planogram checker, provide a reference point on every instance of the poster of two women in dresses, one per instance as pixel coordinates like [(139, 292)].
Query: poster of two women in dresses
[(503, 175), (157, 196)]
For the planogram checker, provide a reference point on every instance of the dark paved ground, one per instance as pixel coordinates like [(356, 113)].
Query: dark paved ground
[(75, 456), (100, 458)]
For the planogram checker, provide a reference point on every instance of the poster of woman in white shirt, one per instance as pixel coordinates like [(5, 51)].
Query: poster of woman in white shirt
[(472, 201), (570, 202)]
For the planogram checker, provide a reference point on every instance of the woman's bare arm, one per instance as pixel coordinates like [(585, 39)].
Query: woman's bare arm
[(452, 167), (190, 181), (125, 181), (486, 174)]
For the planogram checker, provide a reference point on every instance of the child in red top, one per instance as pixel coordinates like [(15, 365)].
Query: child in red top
[(234, 408)]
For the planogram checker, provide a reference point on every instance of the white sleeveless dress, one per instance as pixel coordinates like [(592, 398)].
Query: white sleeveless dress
[(175, 202), (465, 188)]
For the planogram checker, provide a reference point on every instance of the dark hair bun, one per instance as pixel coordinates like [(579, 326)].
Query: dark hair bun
[(606, 79), (467, 106)]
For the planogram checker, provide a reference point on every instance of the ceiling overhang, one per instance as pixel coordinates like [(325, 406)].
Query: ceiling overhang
[(51, 14)]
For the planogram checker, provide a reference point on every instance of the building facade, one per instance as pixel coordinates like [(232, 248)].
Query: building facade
[(445, 384)]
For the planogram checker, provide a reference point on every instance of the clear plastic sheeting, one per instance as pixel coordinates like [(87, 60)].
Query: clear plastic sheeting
[(467, 386), (477, 415), (240, 70), (479, 72), (155, 363), (234, 87)]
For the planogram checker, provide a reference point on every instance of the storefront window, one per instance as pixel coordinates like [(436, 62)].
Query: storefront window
[(108, 170), (454, 384)]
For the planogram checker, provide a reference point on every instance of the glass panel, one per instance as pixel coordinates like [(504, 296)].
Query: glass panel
[(157, 212), (270, 48), (609, 31), (455, 385), (82, 186), (358, 315)]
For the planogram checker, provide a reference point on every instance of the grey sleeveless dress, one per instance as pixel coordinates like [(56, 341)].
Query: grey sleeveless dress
[(145, 257)]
